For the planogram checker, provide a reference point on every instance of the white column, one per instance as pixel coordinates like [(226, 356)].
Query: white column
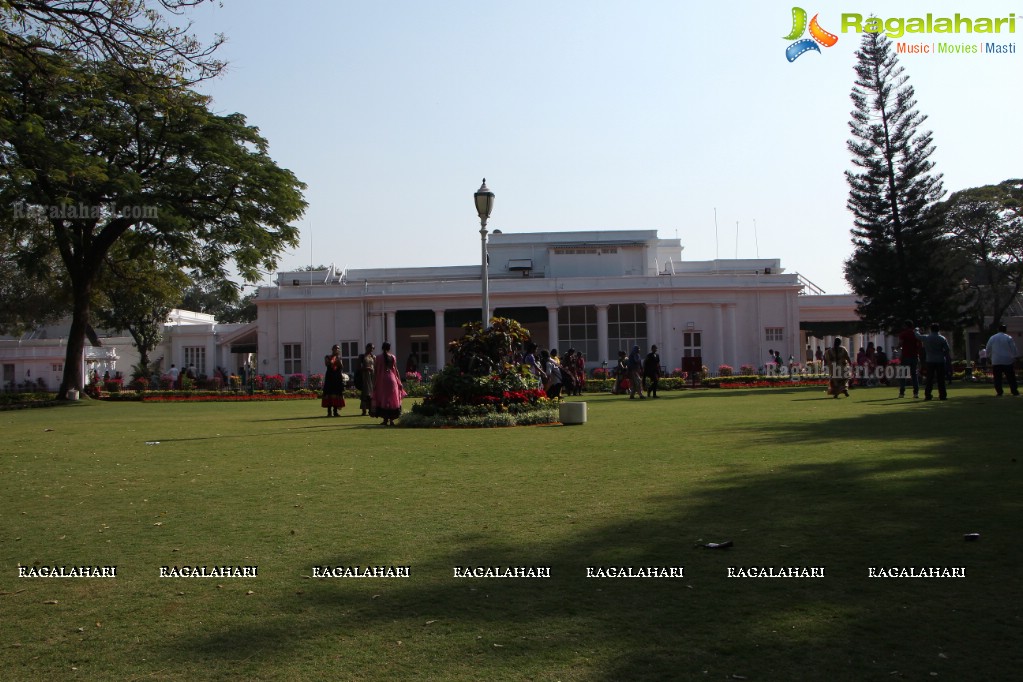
[(670, 352), (653, 329), (602, 335), (730, 333), (440, 354), (719, 341), (391, 331), (552, 328)]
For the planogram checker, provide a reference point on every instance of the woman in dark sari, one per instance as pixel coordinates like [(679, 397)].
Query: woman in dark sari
[(333, 383)]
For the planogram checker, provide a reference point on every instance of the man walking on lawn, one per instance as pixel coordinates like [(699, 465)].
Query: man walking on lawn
[(936, 355), (908, 358), (1001, 350)]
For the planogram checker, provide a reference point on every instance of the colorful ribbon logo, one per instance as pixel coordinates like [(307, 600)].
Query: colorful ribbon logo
[(817, 35)]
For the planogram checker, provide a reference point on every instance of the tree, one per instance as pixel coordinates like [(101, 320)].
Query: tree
[(33, 289), (100, 154), (131, 33), (137, 290), (898, 267), (244, 311), (217, 297), (984, 225)]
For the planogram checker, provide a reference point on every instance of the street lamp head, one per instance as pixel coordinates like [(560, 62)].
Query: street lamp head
[(484, 202)]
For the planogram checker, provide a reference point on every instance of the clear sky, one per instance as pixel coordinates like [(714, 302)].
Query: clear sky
[(639, 114)]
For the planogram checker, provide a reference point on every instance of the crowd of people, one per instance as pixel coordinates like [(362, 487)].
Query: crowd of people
[(379, 383), (921, 358), (376, 378)]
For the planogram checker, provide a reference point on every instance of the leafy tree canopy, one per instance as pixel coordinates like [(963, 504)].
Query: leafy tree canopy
[(95, 155), (136, 291), (898, 267), (33, 283), (984, 226), (134, 34)]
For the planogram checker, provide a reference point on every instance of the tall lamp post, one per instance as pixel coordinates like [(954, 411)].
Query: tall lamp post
[(484, 205)]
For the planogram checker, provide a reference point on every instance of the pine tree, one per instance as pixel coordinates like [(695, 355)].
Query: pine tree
[(898, 268)]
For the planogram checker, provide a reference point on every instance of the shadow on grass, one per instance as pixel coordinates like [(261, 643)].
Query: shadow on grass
[(934, 472)]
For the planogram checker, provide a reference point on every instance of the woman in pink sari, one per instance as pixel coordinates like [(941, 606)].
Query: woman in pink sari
[(387, 389)]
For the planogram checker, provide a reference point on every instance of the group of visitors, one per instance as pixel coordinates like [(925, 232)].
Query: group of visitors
[(178, 375), (381, 391), (633, 369), (558, 376), (923, 355), (376, 378), (870, 364)]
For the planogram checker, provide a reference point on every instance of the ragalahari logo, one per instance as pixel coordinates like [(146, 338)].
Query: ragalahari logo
[(817, 35)]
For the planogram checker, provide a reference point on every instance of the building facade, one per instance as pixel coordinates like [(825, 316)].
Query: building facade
[(597, 292)]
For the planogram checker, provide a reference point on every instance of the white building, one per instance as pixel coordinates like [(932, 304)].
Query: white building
[(597, 292), (37, 359)]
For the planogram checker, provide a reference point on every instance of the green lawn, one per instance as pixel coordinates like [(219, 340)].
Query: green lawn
[(793, 478)]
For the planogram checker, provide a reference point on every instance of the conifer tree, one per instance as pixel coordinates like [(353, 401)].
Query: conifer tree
[(898, 269)]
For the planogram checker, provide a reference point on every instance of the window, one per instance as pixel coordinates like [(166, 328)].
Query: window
[(577, 328), (349, 355), (420, 347), (692, 345), (774, 334), (57, 367), (292, 358), (626, 327), (195, 356)]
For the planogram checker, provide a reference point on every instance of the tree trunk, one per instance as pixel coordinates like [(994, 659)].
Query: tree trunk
[(73, 362)]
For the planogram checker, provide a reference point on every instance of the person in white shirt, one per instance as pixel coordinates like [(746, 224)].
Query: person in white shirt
[(1001, 351)]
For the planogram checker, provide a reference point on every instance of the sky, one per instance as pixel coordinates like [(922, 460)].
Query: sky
[(637, 115)]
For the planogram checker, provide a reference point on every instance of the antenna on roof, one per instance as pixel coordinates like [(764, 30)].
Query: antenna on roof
[(756, 243), (716, 254), (737, 239)]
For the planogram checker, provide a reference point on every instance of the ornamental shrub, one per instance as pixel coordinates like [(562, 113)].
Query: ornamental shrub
[(484, 351), (725, 370), (296, 381), (273, 382), (315, 382), (482, 387)]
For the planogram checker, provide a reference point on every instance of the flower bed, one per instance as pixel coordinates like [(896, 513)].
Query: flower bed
[(17, 401), (767, 383), (214, 396), (481, 388), (763, 381), (483, 418)]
